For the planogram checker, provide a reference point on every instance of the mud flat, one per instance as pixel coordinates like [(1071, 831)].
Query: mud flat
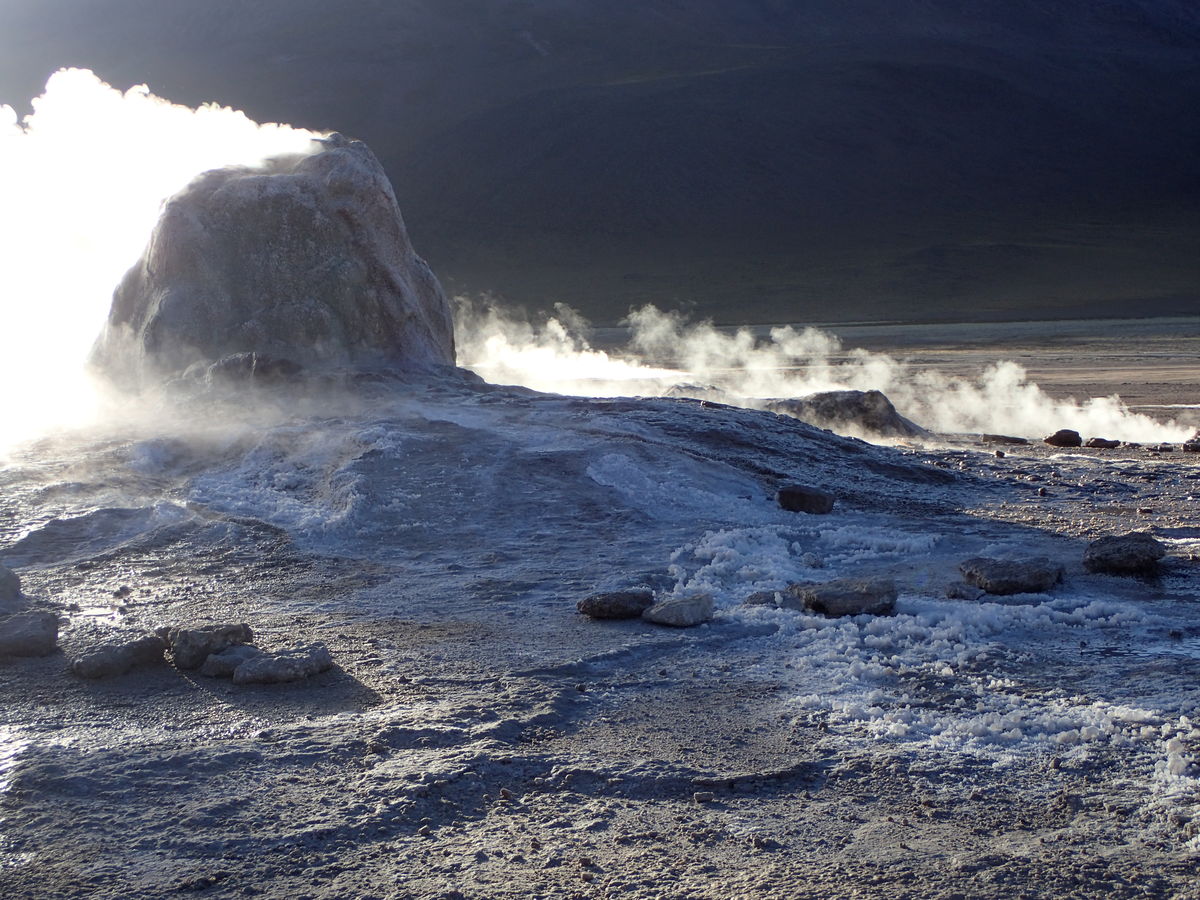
[(479, 738)]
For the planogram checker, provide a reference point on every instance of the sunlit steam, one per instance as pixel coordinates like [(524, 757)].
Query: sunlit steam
[(666, 354), (81, 182)]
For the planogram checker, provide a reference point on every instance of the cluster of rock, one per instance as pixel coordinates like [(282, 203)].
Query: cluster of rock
[(24, 633), (1135, 553), (639, 603), (217, 651)]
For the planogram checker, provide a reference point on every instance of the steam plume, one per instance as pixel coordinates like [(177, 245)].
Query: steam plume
[(81, 181), (665, 354)]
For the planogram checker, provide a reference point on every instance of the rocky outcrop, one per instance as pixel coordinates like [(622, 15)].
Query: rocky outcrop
[(1064, 437), (33, 633), (850, 412), (118, 658), (681, 612), (1135, 553), (1004, 577), (305, 260), (617, 604), (190, 647), (805, 499), (843, 597)]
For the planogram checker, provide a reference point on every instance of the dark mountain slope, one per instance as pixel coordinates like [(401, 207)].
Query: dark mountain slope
[(764, 160)]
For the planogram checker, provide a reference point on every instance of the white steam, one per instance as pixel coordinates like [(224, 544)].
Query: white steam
[(82, 179), (666, 354)]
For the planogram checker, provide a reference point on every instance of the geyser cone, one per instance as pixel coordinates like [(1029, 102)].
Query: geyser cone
[(305, 259)]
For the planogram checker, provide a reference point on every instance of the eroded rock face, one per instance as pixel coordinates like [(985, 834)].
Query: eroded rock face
[(306, 259), (284, 666), (190, 647), (33, 633), (805, 499), (118, 658)]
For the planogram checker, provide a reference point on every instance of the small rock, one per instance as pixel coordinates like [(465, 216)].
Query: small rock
[(960, 590), (800, 498), (1135, 553), (681, 612), (762, 598), (1004, 577), (703, 797), (1097, 443), (118, 658), (284, 666), (33, 633), (843, 597), (1000, 454), (1064, 438), (225, 663), (190, 647), (617, 604)]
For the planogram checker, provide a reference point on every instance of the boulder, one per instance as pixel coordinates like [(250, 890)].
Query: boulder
[(1192, 444), (33, 633), (225, 663), (1064, 438), (10, 589), (850, 412), (617, 604), (190, 647), (284, 666), (1135, 553), (801, 498), (1098, 443), (305, 259), (843, 597), (1004, 577), (115, 659), (681, 612), (762, 598)]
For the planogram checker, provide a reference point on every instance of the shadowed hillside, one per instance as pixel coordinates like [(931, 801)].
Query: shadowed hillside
[(762, 160)]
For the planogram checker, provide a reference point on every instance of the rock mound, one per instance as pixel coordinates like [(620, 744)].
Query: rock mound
[(304, 259), (1135, 553), (850, 412)]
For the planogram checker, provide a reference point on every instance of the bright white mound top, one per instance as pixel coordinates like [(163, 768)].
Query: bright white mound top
[(304, 259)]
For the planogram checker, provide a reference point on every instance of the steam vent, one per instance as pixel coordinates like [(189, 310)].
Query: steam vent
[(305, 259)]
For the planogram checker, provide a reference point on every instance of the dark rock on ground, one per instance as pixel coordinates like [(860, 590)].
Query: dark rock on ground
[(284, 666), (801, 498), (225, 663), (1098, 443), (1192, 444), (190, 647), (33, 633), (10, 589), (762, 598), (1007, 576), (681, 612), (1135, 553), (118, 658), (617, 604), (1003, 439), (305, 259), (1064, 438), (843, 597), (852, 412)]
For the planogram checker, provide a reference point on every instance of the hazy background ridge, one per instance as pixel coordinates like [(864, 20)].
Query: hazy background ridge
[(764, 161)]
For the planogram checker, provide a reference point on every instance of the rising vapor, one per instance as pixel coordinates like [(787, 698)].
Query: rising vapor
[(83, 177)]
